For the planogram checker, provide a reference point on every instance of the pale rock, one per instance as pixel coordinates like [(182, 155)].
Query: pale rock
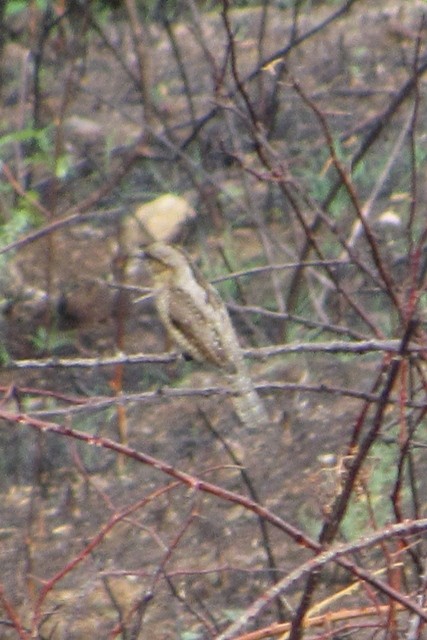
[(160, 219)]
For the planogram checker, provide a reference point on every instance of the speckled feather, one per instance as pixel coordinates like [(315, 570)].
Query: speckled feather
[(196, 319)]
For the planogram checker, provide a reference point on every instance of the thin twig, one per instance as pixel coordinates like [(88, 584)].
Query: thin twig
[(337, 346), (251, 612)]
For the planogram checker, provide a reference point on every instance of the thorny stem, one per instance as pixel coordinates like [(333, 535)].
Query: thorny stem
[(330, 527)]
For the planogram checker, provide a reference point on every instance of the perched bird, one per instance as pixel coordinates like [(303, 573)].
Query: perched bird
[(196, 319)]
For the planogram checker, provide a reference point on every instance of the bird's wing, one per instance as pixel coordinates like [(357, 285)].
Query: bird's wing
[(199, 334)]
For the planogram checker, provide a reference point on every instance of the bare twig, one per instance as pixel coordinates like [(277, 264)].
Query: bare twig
[(198, 484), (337, 346), (320, 560)]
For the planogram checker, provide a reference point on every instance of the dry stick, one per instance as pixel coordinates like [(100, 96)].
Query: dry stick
[(21, 191), (418, 262), (209, 625), (129, 159), (68, 221), (115, 603), (240, 85), (326, 620), (337, 346), (252, 207), (192, 167), (367, 207), (22, 111), (49, 246), (330, 527), (308, 567), (406, 461), (408, 428), (44, 27), (261, 38), (70, 217), (362, 347), (340, 290), (379, 124), (96, 403), (412, 145), (247, 480), (279, 267), (217, 72), (140, 38), (346, 181), (282, 53), (349, 299), (275, 57), (415, 622), (15, 622), (95, 541), (198, 484), (393, 569), (181, 67), (352, 257), (278, 173), (140, 606), (380, 121), (3, 40), (306, 322), (291, 191), (119, 265), (207, 186), (113, 50), (197, 29), (278, 69)]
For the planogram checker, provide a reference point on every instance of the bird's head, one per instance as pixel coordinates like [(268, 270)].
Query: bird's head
[(164, 261)]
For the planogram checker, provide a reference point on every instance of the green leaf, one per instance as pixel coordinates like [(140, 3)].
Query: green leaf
[(20, 136)]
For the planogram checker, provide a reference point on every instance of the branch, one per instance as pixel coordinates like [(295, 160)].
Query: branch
[(197, 484), (333, 554), (337, 346)]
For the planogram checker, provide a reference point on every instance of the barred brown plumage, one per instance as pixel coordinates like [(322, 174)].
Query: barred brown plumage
[(196, 319)]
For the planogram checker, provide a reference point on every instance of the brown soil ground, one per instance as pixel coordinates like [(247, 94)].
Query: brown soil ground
[(184, 560)]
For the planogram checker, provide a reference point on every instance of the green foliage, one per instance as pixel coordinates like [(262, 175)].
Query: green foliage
[(24, 135), (227, 288), (420, 156), (48, 340), (372, 497), (157, 376), (190, 635), (382, 474), (14, 7), (231, 615), (63, 166), (4, 355), (24, 213), (319, 175), (37, 142), (18, 222), (22, 217)]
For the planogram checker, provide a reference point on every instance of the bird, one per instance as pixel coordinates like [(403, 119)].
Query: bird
[(196, 319)]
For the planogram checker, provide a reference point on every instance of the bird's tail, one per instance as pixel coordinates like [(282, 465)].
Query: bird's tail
[(247, 403)]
